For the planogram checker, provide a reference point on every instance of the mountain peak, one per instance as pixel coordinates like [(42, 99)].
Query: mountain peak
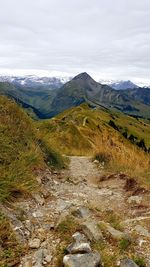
[(83, 76)]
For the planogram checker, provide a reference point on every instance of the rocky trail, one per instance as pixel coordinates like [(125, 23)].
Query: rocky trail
[(95, 219)]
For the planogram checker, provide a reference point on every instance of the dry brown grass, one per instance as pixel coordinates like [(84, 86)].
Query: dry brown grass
[(124, 157)]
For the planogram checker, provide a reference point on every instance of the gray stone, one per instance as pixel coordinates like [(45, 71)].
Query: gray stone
[(82, 212), (78, 247), (78, 237), (142, 231), (34, 243), (116, 234), (38, 257), (92, 231), (128, 263), (80, 244), (82, 260)]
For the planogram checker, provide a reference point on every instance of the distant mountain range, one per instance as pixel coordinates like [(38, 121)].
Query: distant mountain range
[(46, 101), (58, 81), (35, 81)]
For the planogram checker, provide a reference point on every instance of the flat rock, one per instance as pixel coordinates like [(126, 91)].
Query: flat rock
[(82, 260), (92, 231), (34, 243), (116, 234), (128, 263)]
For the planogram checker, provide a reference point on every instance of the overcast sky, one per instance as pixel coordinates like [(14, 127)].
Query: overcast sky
[(106, 38)]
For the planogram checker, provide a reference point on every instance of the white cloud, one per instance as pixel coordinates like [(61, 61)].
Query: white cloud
[(103, 37)]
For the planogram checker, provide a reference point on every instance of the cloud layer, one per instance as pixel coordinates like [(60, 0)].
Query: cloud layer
[(109, 39)]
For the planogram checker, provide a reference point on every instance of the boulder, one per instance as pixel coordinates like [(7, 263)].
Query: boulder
[(128, 263), (92, 231), (84, 260), (80, 244)]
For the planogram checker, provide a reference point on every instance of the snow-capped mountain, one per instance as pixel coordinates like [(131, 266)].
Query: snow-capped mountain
[(119, 85), (35, 81)]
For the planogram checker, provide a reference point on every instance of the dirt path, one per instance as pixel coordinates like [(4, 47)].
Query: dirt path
[(61, 193), (82, 168)]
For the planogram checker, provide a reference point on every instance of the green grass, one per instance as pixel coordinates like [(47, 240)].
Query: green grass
[(86, 131), (11, 250), (21, 152)]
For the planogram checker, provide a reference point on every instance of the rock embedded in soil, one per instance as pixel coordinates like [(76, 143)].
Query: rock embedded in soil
[(92, 231), (116, 234), (34, 243), (142, 231), (128, 263), (82, 260), (82, 212)]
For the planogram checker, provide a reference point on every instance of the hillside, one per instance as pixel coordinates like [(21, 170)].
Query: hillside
[(83, 88), (116, 137), (42, 102), (21, 151), (35, 100), (42, 206)]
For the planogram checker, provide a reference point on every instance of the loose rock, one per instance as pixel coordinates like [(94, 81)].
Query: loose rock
[(34, 243), (84, 260)]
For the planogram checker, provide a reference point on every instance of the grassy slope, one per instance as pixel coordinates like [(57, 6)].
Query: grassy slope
[(22, 151), (38, 98), (85, 131)]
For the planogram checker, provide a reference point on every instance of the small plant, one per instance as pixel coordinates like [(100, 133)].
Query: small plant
[(102, 157), (124, 243), (140, 261), (67, 228)]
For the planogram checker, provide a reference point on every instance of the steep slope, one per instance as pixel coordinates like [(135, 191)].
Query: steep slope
[(22, 151), (36, 101), (116, 137)]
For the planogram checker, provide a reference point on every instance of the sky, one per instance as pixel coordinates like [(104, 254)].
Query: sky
[(109, 39)]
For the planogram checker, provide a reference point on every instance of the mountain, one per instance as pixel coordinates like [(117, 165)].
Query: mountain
[(35, 101), (83, 88), (35, 81), (122, 85)]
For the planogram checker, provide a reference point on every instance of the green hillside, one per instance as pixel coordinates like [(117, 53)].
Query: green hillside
[(22, 151), (87, 131), (42, 102)]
